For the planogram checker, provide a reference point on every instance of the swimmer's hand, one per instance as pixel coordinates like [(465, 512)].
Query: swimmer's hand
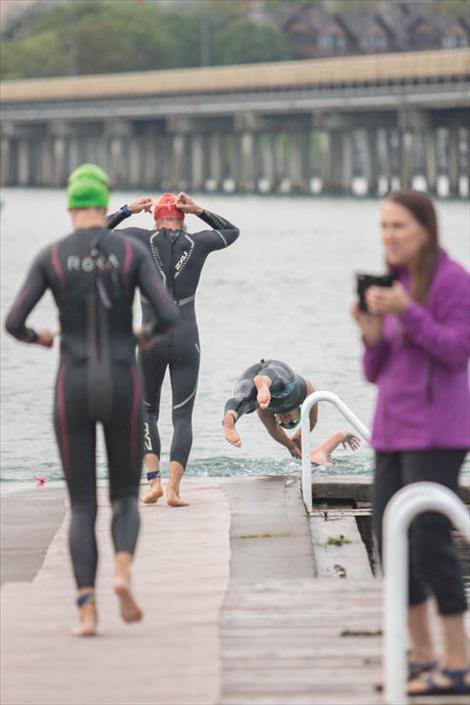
[(142, 339), (295, 446), (45, 338), (142, 204), (186, 204), (371, 326), (351, 441)]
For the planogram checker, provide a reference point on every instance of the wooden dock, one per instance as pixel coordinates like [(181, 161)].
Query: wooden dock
[(236, 610)]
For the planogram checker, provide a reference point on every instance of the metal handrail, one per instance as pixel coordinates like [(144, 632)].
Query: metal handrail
[(400, 511), (310, 401)]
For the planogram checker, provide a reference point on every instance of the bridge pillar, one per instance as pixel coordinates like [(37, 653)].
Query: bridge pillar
[(45, 161), (178, 160), (24, 163), (247, 162), (430, 160), (135, 165), (298, 162), (215, 161), (118, 132), (6, 162), (269, 160), (384, 158), (149, 172), (336, 161), (59, 166), (453, 165), (197, 162), (465, 160), (371, 162), (406, 159)]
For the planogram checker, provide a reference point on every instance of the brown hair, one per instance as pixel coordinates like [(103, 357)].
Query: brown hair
[(422, 209)]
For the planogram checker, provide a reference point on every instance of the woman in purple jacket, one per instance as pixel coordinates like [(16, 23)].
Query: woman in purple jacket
[(416, 336)]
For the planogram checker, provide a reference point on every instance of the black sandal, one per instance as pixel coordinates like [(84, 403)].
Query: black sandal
[(415, 670), (457, 685)]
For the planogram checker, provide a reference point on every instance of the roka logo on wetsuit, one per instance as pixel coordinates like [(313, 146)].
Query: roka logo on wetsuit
[(181, 260), (89, 264)]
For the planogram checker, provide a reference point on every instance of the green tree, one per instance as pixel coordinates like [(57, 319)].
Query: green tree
[(243, 41), (105, 36)]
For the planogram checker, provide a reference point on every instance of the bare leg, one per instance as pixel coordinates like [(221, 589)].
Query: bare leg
[(88, 615), (455, 657), (152, 464), (262, 384), (130, 611), (456, 654), (173, 489), (230, 432), (420, 634)]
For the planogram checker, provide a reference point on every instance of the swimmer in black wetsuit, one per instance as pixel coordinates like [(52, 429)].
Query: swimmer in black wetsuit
[(274, 390), (93, 275), (179, 258)]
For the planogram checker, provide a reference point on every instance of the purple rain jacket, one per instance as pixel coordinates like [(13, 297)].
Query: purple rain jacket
[(423, 388)]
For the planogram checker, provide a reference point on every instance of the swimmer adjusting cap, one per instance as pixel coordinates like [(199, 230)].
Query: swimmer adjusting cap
[(88, 187), (165, 207)]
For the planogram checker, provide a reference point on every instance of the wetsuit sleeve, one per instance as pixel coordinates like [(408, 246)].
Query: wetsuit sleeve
[(165, 310), (244, 399), (244, 394), (223, 234), (114, 219), (31, 292)]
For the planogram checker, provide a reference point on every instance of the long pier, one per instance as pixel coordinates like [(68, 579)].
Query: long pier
[(306, 127), (246, 602)]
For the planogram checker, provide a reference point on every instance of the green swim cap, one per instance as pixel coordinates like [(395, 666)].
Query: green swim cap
[(89, 171), (88, 187), (87, 193)]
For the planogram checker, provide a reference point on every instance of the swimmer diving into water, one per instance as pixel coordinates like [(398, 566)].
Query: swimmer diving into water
[(276, 392)]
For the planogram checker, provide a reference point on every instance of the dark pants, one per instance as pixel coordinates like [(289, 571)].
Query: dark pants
[(434, 567)]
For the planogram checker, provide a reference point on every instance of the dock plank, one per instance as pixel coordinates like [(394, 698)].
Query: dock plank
[(171, 658)]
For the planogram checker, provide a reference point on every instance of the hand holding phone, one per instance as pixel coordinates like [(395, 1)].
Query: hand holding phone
[(364, 281)]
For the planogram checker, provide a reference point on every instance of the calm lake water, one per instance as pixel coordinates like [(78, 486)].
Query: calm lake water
[(284, 290)]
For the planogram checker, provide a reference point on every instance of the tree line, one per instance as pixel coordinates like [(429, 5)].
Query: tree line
[(105, 36)]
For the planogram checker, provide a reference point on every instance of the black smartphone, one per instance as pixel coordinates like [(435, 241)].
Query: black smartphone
[(364, 281)]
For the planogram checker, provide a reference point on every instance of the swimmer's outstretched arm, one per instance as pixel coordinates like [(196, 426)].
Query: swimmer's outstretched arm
[(296, 438), (321, 453), (275, 431)]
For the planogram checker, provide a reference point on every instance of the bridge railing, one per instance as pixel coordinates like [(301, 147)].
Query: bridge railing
[(401, 510), (355, 422)]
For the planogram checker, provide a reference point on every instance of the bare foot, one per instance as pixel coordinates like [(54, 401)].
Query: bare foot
[(264, 395), (88, 621), (173, 500), (154, 493), (232, 437), (130, 611)]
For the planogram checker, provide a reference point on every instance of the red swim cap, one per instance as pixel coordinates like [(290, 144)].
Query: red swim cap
[(166, 207)]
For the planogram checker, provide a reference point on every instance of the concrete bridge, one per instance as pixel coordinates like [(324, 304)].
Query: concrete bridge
[(303, 126)]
